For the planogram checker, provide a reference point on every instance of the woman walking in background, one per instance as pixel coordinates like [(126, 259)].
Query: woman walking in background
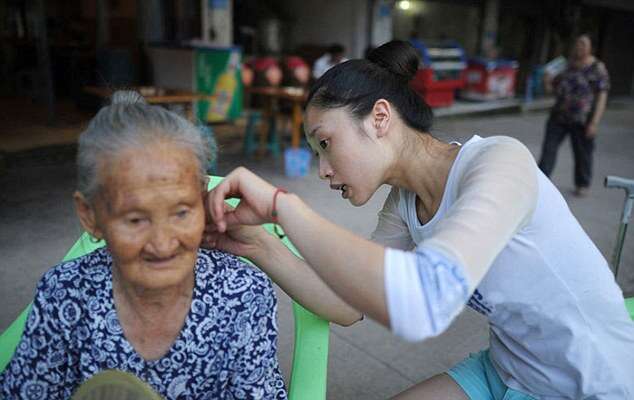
[(581, 92)]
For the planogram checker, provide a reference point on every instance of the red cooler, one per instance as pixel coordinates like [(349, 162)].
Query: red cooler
[(442, 72), (436, 92), (490, 79)]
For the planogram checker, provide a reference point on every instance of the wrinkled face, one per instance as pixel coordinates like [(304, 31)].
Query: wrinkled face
[(583, 47), (347, 155), (150, 212)]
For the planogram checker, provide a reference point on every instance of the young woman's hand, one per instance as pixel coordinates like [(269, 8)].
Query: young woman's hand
[(255, 205), (241, 240)]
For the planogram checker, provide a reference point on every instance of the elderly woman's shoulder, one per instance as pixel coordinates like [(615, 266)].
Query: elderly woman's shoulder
[(70, 289), (217, 265), (78, 273)]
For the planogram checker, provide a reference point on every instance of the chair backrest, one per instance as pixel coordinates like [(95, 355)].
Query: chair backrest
[(310, 355)]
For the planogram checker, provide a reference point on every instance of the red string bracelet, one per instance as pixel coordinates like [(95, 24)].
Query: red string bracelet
[(276, 229)]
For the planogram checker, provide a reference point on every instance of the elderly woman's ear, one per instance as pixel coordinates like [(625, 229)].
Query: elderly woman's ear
[(86, 215)]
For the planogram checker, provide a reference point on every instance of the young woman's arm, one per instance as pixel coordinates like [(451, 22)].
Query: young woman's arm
[(351, 266), (496, 197), (291, 273)]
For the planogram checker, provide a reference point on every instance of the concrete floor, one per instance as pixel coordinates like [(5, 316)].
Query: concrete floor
[(38, 225)]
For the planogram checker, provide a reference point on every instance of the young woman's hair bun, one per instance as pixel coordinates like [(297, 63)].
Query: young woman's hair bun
[(385, 74), (398, 57)]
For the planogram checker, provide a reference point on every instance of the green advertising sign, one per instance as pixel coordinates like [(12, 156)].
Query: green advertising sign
[(217, 73)]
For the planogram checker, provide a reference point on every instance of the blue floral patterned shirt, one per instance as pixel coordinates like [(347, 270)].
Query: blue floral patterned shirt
[(225, 350), (576, 90)]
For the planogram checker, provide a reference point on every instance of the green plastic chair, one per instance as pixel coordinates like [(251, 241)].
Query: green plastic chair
[(310, 355), (629, 303)]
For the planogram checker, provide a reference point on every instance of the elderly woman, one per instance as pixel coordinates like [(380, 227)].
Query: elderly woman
[(191, 323)]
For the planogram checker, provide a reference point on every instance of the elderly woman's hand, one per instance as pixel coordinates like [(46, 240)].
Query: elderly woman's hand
[(256, 202)]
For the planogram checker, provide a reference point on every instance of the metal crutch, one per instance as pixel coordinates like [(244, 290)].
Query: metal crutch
[(628, 186)]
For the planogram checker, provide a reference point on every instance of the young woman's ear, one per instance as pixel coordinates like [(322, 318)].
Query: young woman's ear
[(381, 117), (86, 215)]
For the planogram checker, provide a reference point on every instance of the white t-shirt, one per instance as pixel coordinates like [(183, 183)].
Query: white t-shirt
[(558, 324)]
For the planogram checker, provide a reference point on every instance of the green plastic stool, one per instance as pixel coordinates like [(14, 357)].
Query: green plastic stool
[(310, 355), (251, 143)]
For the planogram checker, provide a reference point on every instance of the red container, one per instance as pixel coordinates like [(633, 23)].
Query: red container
[(490, 80), (437, 90)]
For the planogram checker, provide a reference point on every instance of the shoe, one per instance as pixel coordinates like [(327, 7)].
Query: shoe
[(582, 191)]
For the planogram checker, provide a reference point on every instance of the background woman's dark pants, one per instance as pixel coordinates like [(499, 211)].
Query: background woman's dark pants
[(582, 148)]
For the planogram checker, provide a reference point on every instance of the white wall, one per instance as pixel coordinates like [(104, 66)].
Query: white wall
[(329, 21), (434, 20), (172, 68), (219, 17), (381, 22)]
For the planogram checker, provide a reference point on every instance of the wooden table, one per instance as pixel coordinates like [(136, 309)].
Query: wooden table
[(155, 95), (297, 97)]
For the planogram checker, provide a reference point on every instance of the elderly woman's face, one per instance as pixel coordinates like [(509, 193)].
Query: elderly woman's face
[(150, 212)]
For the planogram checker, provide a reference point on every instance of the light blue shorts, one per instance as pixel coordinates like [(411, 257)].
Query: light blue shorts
[(480, 381)]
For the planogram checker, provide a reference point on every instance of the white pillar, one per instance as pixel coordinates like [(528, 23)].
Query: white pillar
[(217, 17), (151, 21), (488, 39), (103, 23), (381, 30)]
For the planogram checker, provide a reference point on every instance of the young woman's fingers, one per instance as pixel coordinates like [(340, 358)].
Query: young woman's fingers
[(215, 204), (232, 219), (239, 183)]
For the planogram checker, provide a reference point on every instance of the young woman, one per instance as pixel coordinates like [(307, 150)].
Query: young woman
[(474, 224)]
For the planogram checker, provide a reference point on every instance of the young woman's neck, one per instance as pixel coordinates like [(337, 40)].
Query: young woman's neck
[(422, 166)]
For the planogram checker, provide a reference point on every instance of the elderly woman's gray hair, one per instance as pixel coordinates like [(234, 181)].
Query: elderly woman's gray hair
[(130, 122)]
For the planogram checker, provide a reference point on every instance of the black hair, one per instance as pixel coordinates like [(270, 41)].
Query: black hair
[(368, 50), (336, 48), (358, 84)]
